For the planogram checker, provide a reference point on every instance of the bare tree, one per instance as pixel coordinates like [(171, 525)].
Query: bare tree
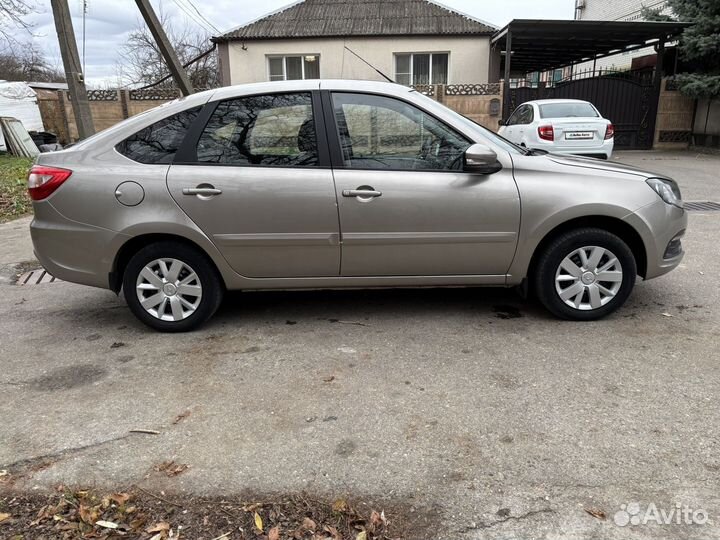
[(142, 63), (12, 18), (27, 63)]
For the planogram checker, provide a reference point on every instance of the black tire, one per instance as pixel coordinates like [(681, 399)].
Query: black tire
[(564, 245), (212, 286)]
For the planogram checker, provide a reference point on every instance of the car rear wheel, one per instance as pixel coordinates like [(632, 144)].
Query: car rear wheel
[(585, 274), (172, 287)]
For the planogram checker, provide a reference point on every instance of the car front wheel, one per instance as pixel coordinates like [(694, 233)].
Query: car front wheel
[(171, 287), (585, 274)]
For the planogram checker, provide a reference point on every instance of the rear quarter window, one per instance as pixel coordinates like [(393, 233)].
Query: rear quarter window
[(568, 110), (159, 142)]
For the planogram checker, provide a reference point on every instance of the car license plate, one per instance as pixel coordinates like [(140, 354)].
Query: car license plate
[(574, 135)]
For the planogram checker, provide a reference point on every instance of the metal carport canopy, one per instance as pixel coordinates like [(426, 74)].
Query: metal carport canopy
[(542, 45)]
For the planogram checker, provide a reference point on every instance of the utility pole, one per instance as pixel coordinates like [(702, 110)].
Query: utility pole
[(73, 71), (166, 49)]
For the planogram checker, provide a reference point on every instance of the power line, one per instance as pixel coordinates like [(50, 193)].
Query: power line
[(203, 17), (192, 16)]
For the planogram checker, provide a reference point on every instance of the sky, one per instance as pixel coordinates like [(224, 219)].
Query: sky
[(108, 23)]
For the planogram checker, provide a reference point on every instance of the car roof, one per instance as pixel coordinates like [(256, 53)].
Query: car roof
[(313, 84)]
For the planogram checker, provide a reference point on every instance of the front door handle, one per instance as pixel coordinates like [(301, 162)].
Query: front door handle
[(202, 191), (362, 193)]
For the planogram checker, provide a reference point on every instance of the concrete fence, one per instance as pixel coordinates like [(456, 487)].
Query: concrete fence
[(481, 102), (108, 107), (673, 128), (706, 131)]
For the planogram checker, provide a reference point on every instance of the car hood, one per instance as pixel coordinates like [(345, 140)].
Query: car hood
[(597, 164)]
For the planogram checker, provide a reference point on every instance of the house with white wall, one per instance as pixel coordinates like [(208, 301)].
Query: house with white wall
[(414, 42)]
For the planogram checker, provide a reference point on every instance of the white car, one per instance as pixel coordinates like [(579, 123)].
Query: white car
[(561, 126)]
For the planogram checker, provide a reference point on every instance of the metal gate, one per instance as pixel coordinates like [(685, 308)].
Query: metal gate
[(628, 99)]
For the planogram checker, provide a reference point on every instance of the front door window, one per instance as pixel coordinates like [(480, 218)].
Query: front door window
[(378, 132)]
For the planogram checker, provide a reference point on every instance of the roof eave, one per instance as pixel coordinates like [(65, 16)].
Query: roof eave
[(225, 39)]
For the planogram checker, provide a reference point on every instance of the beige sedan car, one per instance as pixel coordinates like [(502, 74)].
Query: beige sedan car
[(340, 184)]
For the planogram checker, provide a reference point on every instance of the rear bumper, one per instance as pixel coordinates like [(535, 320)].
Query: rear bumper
[(604, 150), (662, 227), (72, 251)]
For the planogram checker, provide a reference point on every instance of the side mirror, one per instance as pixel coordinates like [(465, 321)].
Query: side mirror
[(481, 159)]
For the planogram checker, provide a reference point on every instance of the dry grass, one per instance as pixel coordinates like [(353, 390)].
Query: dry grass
[(14, 200)]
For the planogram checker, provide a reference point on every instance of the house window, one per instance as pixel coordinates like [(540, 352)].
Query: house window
[(421, 68), (293, 68)]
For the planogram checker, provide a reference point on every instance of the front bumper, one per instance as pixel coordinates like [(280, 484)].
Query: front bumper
[(661, 227)]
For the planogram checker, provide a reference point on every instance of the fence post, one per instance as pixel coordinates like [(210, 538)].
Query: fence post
[(124, 96), (440, 93)]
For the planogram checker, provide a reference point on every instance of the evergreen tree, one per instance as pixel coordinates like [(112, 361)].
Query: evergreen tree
[(700, 46)]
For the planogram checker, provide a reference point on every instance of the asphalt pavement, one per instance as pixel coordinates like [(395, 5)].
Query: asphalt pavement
[(473, 405)]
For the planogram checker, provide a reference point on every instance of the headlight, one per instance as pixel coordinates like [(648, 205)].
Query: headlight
[(667, 189)]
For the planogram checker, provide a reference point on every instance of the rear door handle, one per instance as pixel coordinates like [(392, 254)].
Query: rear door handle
[(362, 193), (202, 191)]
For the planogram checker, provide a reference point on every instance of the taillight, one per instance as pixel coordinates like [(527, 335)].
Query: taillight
[(546, 133), (609, 132), (43, 181)]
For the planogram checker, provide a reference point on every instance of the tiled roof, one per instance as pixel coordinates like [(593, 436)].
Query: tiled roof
[(346, 18)]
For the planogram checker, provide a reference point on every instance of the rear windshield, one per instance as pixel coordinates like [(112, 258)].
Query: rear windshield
[(568, 110)]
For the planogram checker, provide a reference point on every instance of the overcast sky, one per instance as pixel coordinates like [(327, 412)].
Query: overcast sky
[(108, 22)]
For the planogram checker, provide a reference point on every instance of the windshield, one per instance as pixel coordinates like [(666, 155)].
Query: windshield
[(568, 110)]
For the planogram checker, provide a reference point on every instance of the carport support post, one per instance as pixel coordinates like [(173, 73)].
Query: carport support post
[(506, 80), (73, 70), (657, 87)]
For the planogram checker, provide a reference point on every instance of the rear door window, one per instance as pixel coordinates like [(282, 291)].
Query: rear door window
[(568, 110), (159, 142), (526, 115), (275, 130)]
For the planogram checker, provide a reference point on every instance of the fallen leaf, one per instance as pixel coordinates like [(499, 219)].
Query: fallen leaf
[(308, 524), (170, 468), (340, 505), (362, 535), (3, 472), (596, 513), (258, 522), (106, 524), (274, 533), (120, 498), (158, 527), (88, 515), (3, 517), (375, 518), (331, 378)]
